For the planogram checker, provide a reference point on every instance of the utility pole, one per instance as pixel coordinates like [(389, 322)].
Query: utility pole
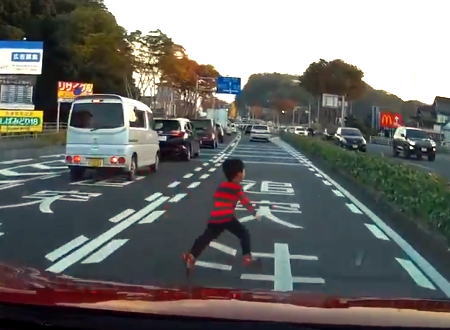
[(343, 111), (309, 115)]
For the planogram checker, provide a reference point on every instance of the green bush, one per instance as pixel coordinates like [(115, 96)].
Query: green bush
[(423, 196)]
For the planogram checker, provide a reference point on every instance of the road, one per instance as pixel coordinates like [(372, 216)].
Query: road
[(440, 166), (315, 236)]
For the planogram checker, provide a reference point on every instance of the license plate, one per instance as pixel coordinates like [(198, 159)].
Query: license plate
[(424, 149), (95, 162), (163, 138), (355, 146)]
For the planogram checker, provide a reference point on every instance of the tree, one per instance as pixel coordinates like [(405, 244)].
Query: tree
[(335, 77)]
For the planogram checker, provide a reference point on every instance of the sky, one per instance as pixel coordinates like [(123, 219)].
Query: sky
[(401, 46)]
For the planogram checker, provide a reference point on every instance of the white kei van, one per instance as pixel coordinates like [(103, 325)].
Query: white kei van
[(110, 131)]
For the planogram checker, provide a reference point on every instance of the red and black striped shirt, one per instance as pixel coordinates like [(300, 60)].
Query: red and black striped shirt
[(227, 195)]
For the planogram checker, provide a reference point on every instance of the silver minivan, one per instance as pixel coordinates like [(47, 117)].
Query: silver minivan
[(110, 131)]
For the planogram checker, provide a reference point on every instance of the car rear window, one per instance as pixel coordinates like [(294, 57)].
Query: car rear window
[(97, 115), (202, 124), (166, 125)]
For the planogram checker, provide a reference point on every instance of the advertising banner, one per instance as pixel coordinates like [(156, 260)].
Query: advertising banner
[(68, 90), (21, 121), (21, 57)]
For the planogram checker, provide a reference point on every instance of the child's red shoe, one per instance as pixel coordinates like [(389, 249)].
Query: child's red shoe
[(189, 260), (247, 260)]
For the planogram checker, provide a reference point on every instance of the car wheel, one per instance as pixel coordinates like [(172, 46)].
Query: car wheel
[(406, 153), (394, 151), (187, 156), (76, 173), (131, 175), (154, 168), (431, 157), (197, 154)]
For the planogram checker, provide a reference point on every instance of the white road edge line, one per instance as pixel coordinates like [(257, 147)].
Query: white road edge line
[(415, 274), (376, 232), (420, 261)]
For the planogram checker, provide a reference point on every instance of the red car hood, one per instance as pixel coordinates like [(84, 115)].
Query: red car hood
[(30, 286)]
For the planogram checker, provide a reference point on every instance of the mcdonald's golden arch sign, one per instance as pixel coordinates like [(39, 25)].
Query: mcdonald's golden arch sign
[(390, 119)]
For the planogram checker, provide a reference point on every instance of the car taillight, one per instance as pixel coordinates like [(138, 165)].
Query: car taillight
[(114, 160), (122, 160), (69, 159), (176, 133), (76, 159)]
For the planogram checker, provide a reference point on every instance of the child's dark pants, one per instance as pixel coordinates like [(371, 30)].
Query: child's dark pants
[(213, 231)]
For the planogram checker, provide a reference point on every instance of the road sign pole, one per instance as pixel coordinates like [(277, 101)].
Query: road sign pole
[(58, 113)]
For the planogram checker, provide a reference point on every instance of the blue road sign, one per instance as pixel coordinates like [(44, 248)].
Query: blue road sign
[(228, 85)]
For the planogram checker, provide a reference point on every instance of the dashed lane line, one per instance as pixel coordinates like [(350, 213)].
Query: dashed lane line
[(194, 185), (223, 248), (177, 198), (353, 208), (213, 265), (204, 176), (66, 248), (152, 217), (153, 196), (122, 215), (187, 176), (94, 244), (197, 169), (173, 184), (105, 251), (337, 193), (415, 274), (376, 232)]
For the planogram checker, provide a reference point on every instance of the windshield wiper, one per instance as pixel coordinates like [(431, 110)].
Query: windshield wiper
[(100, 127)]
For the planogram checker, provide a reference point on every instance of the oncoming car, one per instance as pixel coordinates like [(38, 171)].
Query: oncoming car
[(300, 130), (413, 141), (260, 133), (351, 138), (110, 131)]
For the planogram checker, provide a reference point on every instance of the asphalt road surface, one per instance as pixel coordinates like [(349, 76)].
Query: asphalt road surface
[(315, 235), (440, 166)]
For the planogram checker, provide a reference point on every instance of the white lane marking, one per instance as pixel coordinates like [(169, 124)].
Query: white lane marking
[(9, 186), (122, 215), (177, 198), (153, 196), (205, 164), (258, 277), (69, 246), (52, 156), (173, 184), (337, 193), (46, 167), (152, 217), (415, 274), (213, 265), (187, 176), (204, 176), (51, 176), (2, 233), (292, 256), (105, 251), (417, 258), (376, 232), (272, 163), (15, 161), (198, 169), (311, 169), (194, 185), (283, 274), (218, 165), (266, 212), (353, 208), (223, 248), (318, 175), (212, 169), (308, 280), (327, 183), (262, 155), (79, 254)]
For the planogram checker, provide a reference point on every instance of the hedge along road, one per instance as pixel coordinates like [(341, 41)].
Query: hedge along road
[(440, 166)]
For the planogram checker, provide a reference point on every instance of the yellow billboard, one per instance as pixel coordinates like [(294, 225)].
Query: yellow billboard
[(21, 121)]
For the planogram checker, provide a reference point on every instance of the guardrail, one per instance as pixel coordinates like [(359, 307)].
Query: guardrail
[(49, 128), (380, 140)]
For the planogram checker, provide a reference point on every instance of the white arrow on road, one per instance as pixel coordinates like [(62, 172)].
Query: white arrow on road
[(264, 211)]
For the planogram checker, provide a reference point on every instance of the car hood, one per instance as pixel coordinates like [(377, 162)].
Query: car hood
[(422, 142), (24, 285)]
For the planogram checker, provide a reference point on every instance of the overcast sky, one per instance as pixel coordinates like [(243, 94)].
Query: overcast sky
[(402, 46)]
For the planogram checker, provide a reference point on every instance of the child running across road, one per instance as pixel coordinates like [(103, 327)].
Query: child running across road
[(223, 216)]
